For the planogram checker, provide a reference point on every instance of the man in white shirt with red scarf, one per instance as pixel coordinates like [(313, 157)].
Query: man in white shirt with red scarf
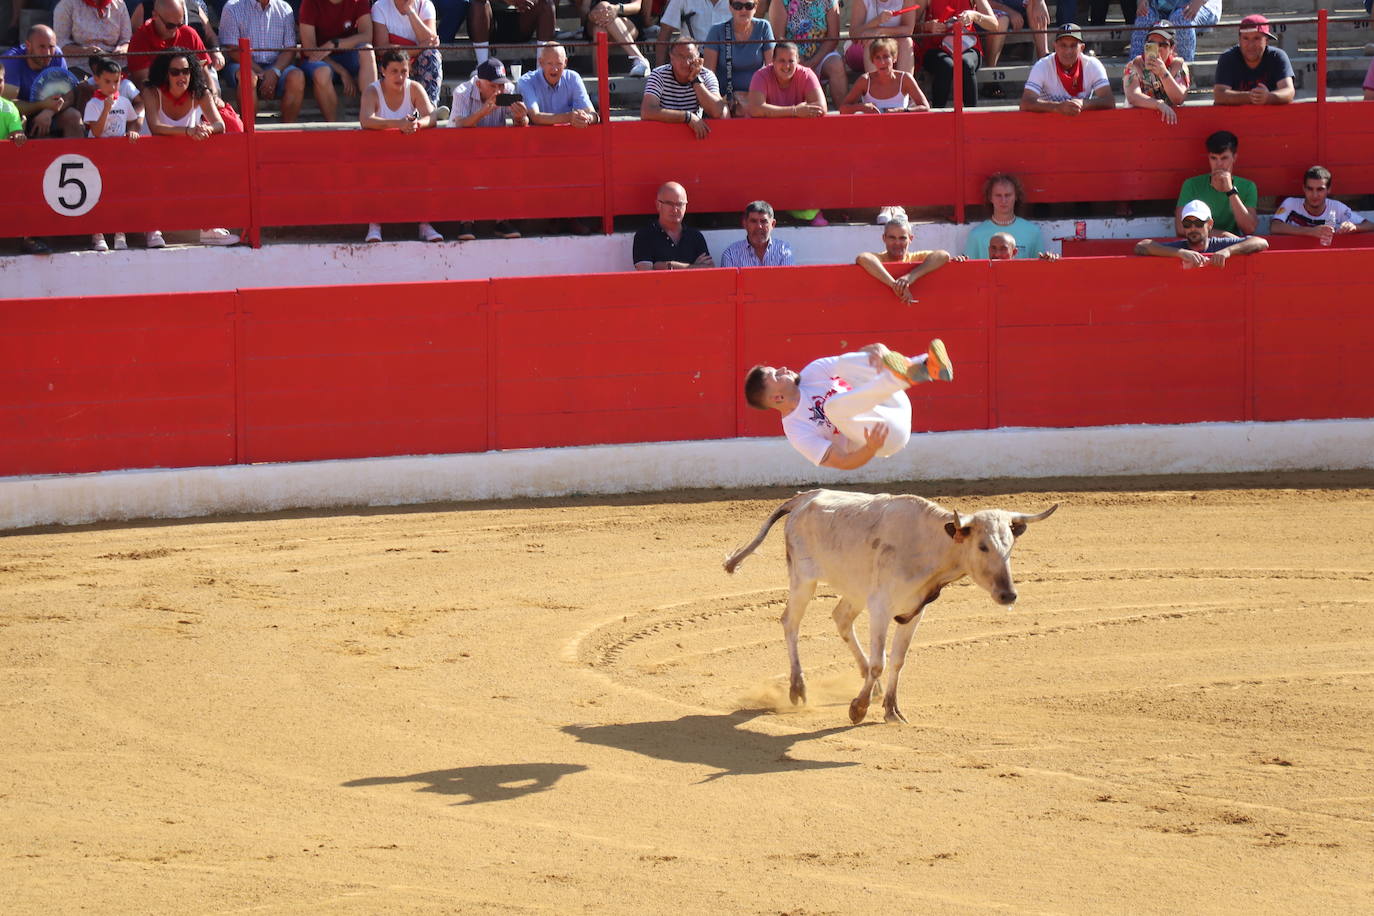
[(1067, 81)]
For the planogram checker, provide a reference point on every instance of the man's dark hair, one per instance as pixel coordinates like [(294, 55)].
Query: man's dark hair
[(1319, 173), (392, 56), (1222, 141), (101, 65), (754, 388), (758, 206), (997, 178), (157, 73)]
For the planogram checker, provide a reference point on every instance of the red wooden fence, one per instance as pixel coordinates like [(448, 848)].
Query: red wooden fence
[(95, 383)]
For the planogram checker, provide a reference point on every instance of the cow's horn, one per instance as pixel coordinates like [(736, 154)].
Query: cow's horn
[(1027, 519)]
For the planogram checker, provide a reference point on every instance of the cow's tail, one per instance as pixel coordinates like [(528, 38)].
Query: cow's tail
[(733, 561)]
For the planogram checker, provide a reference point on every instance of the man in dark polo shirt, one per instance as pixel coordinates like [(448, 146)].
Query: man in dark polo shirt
[(666, 244)]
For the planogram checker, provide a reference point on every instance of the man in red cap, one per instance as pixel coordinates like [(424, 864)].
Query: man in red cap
[(1252, 73)]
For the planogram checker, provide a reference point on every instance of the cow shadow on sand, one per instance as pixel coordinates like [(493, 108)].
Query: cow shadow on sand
[(714, 741), (482, 783)]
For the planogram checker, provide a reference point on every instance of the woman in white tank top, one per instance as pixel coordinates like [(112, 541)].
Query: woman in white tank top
[(884, 88), (177, 102), (396, 102)]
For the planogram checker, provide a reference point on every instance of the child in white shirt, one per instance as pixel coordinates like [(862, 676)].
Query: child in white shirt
[(109, 114)]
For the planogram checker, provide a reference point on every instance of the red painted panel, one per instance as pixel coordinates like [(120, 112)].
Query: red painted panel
[(324, 441), (667, 424)]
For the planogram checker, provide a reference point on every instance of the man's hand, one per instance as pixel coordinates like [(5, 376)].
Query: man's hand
[(488, 106), (1192, 258), (1221, 181), (267, 84), (1260, 95), (580, 118), (901, 288), (42, 122), (1070, 107), (699, 127), (1347, 226), (519, 113), (1219, 258), (1048, 256), (875, 438), (807, 110), (697, 64), (704, 260), (350, 85), (1323, 233), (1167, 113)]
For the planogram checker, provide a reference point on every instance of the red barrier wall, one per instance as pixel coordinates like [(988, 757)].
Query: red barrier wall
[(281, 178), (295, 374)]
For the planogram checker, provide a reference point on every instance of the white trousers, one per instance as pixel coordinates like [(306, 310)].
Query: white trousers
[(876, 397)]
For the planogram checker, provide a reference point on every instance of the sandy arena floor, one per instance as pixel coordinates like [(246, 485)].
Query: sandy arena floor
[(566, 706)]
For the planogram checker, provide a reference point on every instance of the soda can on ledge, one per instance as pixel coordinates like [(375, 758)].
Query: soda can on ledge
[(1080, 229)]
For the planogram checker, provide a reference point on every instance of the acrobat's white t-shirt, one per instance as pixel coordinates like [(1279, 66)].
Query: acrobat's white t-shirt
[(875, 396)]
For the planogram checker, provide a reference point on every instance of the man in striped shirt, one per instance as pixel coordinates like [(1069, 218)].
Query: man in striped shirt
[(758, 248), (682, 91)]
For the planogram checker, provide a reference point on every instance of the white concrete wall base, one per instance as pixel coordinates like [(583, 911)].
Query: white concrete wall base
[(972, 455)]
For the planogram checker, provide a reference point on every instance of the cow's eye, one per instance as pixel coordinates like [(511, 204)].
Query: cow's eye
[(983, 547)]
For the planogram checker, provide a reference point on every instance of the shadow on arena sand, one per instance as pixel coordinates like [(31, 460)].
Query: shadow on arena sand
[(713, 741), (482, 783)]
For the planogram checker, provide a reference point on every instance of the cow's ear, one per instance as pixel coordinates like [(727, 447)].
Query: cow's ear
[(959, 534), (1018, 529)]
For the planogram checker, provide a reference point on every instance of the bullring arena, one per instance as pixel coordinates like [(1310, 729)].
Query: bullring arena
[(387, 578)]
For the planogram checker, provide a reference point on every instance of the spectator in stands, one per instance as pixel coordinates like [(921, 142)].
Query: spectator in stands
[(815, 26), (92, 28), (267, 24), (1315, 214), (554, 94), (683, 91), (735, 65), (410, 24), (12, 129), (936, 22), (896, 250), (1184, 13), (35, 70), (1369, 83), (758, 248), (1005, 197), (690, 19), (536, 20), (883, 88), (1198, 247), (1252, 73), (167, 28), (786, 89), (1018, 15), (342, 30), (1068, 81), (1229, 198), (1157, 80), (870, 19), (178, 102), (198, 17), (1002, 247), (666, 244), (109, 114), (614, 19), (397, 102), (475, 104)]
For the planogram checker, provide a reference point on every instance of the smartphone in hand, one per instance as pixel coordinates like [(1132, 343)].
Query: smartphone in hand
[(508, 98)]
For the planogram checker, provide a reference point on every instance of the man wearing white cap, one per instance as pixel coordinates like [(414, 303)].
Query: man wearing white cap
[(1252, 73), (1198, 247)]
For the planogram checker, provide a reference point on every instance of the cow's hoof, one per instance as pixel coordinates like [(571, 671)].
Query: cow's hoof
[(797, 694), (858, 709), (876, 692), (894, 715)]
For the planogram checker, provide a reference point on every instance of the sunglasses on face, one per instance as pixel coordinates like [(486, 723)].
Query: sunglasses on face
[(1193, 223), (741, 6), (178, 71)]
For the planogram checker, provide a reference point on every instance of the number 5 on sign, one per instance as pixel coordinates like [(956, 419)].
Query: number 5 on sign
[(71, 185)]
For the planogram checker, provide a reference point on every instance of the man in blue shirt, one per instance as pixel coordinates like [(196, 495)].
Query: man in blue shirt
[(39, 62), (555, 94), (1198, 247)]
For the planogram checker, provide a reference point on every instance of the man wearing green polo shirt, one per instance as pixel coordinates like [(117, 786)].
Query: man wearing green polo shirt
[(1231, 200)]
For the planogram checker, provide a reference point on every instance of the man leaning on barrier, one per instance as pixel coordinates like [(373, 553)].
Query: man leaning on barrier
[(758, 248), (666, 244), (478, 103), (1067, 82), (683, 91), (1315, 214), (1198, 247), (897, 250), (554, 94)]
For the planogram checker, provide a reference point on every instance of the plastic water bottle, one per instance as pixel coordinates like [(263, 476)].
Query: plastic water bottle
[(1330, 221)]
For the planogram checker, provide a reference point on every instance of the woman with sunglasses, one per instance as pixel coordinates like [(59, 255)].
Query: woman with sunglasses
[(736, 64), (1158, 78), (177, 102)]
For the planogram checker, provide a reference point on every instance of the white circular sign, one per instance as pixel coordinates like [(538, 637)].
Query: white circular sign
[(71, 185)]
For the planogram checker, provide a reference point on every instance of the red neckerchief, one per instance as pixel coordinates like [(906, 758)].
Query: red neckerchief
[(102, 96), (1072, 79), (174, 99), (101, 5)]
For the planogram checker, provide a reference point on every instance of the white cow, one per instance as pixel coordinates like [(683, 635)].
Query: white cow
[(892, 554)]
